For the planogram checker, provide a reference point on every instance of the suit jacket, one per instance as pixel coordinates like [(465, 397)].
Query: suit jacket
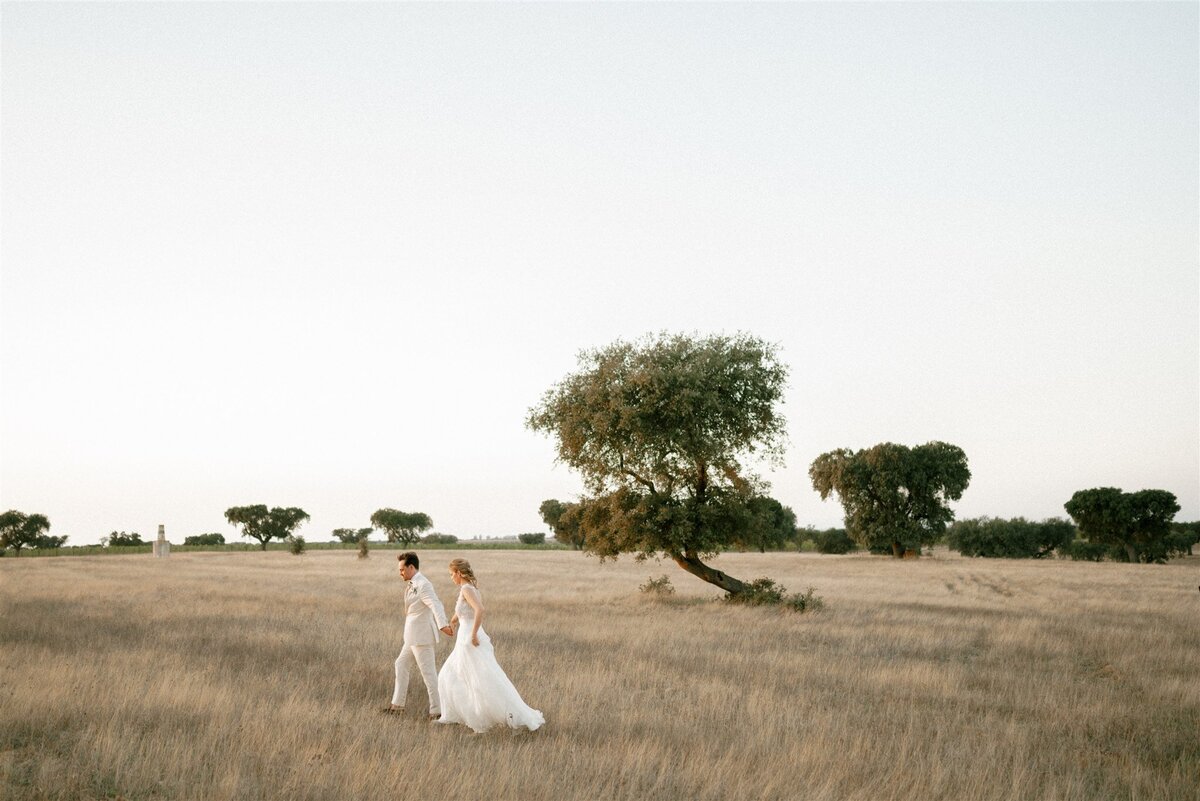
[(423, 612)]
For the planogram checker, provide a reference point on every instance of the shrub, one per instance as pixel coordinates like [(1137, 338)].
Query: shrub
[(205, 539), (439, 539), (808, 602), (532, 538), (833, 540), (765, 592), (658, 587), (1084, 551), (297, 545), (363, 549)]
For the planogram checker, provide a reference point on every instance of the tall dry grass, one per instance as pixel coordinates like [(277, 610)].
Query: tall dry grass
[(259, 676)]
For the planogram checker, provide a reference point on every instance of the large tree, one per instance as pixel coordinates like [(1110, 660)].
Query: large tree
[(772, 526), (894, 496), (260, 523), (403, 527), (661, 431), (19, 530), (1136, 522)]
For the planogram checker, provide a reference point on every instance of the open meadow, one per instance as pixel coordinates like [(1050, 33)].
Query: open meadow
[(260, 676)]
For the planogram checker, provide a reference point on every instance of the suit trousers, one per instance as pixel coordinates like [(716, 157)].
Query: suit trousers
[(423, 656)]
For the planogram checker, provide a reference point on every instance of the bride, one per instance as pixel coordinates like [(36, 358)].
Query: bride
[(474, 688)]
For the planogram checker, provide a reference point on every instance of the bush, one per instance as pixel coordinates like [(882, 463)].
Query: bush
[(363, 549), (296, 545), (808, 602), (1009, 539), (659, 587), (833, 540), (205, 539), (120, 538), (439, 539), (532, 538), (765, 592)]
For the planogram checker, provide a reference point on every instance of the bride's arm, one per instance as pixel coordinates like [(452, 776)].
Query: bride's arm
[(472, 597)]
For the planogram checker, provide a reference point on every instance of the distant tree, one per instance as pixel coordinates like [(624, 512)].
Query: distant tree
[(122, 539), (660, 430), (349, 535), (833, 540), (771, 526), (532, 538), (214, 538), (1137, 523), (1010, 539), (402, 527), (1183, 536), (437, 538), (49, 541), (563, 519), (19, 530), (894, 496), (262, 524)]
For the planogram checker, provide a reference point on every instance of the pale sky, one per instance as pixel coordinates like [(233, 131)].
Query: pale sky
[(329, 255)]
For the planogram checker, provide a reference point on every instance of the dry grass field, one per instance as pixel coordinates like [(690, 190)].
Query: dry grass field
[(259, 676)]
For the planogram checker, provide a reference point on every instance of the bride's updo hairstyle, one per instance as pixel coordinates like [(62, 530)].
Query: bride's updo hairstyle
[(463, 568)]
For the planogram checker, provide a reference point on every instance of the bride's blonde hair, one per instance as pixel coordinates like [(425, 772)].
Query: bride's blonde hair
[(463, 568)]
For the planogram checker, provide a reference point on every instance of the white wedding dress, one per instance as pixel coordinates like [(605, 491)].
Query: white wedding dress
[(474, 689)]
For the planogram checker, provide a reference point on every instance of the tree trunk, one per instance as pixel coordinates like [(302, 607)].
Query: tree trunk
[(897, 550), (1131, 551), (693, 565)]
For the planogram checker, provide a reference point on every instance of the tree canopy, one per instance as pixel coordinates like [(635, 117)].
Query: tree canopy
[(352, 534), (563, 520), (1136, 522), (403, 527), (122, 539), (894, 496), (260, 523), (19, 530), (1010, 539), (662, 431)]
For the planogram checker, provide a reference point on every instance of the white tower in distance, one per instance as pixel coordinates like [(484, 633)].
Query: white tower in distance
[(162, 548)]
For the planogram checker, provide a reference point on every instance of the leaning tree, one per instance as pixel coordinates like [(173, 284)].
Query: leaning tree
[(894, 496), (403, 527), (19, 530), (260, 523), (662, 430)]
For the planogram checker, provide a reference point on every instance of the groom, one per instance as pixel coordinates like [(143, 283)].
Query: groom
[(423, 618)]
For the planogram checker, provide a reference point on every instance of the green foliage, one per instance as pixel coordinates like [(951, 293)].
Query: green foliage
[(564, 520), (214, 538), (402, 527), (1182, 537), (442, 539), (296, 545), (49, 541), (262, 524), (660, 431), (660, 587), (766, 592), (532, 538), (1010, 539), (833, 540), (1084, 551), (19, 530), (122, 539), (352, 534), (771, 526), (894, 496), (1137, 523)]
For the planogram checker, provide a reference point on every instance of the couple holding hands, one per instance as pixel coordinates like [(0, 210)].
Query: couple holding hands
[(471, 689)]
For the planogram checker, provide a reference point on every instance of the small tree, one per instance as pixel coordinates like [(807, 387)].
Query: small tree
[(19, 530), (1137, 523), (49, 541), (1183, 537), (771, 526), (894, 496), (563, 520), (296, 545), (213, 538), (122, 539), (661, 431), (532, 538), (262, 524), (349, 535), (402, 527), (1010, 539), (833, 540)]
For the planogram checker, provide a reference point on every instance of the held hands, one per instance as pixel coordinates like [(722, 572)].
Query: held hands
[(449, 632)]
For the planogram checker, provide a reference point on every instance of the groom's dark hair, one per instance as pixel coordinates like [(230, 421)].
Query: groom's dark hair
[(409, 558)]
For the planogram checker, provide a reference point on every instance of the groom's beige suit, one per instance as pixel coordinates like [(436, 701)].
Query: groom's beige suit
[(423, 616)]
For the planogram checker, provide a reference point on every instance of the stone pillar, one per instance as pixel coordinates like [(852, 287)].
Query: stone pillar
[(162, 548)]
